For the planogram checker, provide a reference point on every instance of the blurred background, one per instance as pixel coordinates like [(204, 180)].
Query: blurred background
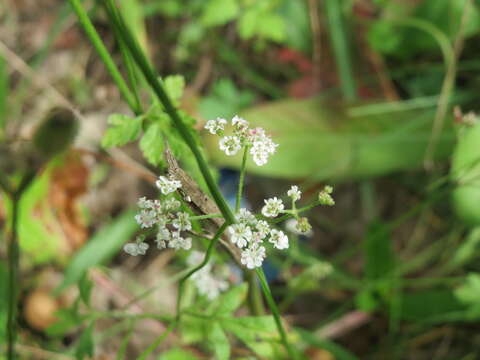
[(376, 97)]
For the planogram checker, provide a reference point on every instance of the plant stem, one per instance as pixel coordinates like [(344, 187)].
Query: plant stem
[(275, 312), (241, 180), (208, 216), (13, 281), (153, 80), (104, 55), (156, 343), (211, 247), (289, 214)]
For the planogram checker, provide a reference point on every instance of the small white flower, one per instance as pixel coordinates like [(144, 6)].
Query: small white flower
[(214, 126), (263, 228), (245, 216), (240, 234), (167, 185), (293, 226), (171, 204), (230, 145), (146, 218), (279, 239), (239, 123), (137, 248), (143, 203), (294, 193), (177, 242), (182, 222), (163, 235), (253, 257), (272, 207), (262, 148), (209, 285)]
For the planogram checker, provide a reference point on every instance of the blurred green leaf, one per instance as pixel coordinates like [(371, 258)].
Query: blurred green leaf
[(122, 130), (3, 93), (85, 286), (262, 22), (468, 249), (218, 341), (229, 301), (429, 304), (352, 142), (104, 244), (379, 256), (66, 320), (297, 25), (174, 85), (469, 293), (85, 345), (152, 144), (3, 300), (193, 329), (177, 354), (219, 12)]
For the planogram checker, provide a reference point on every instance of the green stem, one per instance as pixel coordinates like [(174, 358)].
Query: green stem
[(208, 216), (104, 55), (241, 180), (211, 247), (289, 213), (153, 80), (255, 301), (276, 315), (156, 343), (13, 280)]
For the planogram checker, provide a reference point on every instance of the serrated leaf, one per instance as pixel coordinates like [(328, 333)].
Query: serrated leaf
[(219, 12), (218, 341), (104, 244), (85, 345), (228, 302), (122, 130), (193, 329), (152, 144), (174, 85)]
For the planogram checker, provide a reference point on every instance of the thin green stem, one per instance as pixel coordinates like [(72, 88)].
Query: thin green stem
[(208, 216), (104, 55), (144, 355), (276, 315), (241, 179), (289, 213), (153, 80), (211, 247), (13, 280)]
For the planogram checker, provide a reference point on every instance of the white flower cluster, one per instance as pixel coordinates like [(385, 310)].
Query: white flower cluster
[(205, 281), (261, 145), (165, 215), (249, 234)]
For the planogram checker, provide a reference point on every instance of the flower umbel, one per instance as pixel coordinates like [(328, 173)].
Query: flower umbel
[(167, 185), (272, 207)]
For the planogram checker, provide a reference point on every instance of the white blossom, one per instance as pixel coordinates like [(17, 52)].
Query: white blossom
[(163, 235), (214, 126), (263, 228), (253, 256), (262, 148), (136, 248), (293, 226), (182, 222), (171, 204), (279, 239), (146, 218), (294, 193), (230, 145), (239, 123), (167, 185), (177, 242), (272, 207), (209, 285), (245, 216), (240, 234)]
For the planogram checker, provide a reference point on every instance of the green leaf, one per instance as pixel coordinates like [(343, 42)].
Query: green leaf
[(219, 12), (85, 286), (66, 320), (152, 144), (219, 342), (174, 85), (193, 329), (85, 345), (259, 333), (100, 248), (177, 354), (429, 304), (228, 302), (380, 260), (123, 129), (468, 249), (3, 299), (469, 292)]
